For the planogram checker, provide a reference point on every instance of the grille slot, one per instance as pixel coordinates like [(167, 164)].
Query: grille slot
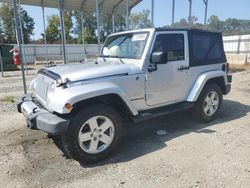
[(41, 89)]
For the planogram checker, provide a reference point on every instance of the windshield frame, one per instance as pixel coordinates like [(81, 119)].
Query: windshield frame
[(126, 57)]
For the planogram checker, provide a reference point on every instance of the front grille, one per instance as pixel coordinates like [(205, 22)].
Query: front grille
[(41, 89)]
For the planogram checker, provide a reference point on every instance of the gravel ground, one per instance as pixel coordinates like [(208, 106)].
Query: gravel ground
[(190, 155)]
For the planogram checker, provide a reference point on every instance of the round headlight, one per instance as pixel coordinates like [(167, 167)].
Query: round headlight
[(52, 87)]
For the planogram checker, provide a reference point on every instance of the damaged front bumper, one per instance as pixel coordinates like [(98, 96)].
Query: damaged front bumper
[(39, 118)]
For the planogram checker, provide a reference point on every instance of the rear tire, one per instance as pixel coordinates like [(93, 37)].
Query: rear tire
[(209, 103), (94, 133)]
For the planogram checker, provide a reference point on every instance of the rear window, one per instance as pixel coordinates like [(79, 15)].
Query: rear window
[(206, 48)]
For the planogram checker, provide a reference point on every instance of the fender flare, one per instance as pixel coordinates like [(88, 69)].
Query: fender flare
[(202, 80), (79, 93)]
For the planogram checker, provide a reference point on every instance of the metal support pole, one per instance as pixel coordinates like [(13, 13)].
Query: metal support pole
[(127, 12), (190, 12), (22, 40), (60, 2), (44, 31), (205, 18), (83, 33), (173, 11), (238, 46), (18, 38), (1, 62), (98, 25), (152, 12), (113, 22)]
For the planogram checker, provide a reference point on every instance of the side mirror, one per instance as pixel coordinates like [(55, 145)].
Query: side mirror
[(159, 57)]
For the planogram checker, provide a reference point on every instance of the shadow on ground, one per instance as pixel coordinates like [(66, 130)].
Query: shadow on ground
[(140, 139)]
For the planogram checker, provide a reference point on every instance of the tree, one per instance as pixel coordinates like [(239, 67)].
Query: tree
[(7, 24), (27, 25), (89, 25), (182, 23), (140, 20), (68, 25), (214, 23), (189, 22), (192, 21), (120, 23), (52, 29)]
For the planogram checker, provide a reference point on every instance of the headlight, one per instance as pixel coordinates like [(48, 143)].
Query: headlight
[(59, 82), (52, 87), (32, 84)]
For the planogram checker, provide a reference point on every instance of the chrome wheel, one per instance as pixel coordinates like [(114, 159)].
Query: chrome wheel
[(211, 103), (96, 134)]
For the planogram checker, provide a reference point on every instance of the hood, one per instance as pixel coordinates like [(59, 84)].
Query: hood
[(80, 71)]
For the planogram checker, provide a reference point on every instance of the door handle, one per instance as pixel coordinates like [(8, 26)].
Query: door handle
[(182, 67)]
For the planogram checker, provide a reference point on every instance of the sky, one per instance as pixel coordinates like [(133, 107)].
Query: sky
[(224, 9)]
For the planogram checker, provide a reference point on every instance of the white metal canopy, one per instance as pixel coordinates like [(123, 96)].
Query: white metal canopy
[(106, 6)]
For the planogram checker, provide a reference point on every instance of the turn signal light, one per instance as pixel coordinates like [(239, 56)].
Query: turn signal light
[(68, 106)]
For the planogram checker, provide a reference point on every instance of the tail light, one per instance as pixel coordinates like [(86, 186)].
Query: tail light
[(225, 67)]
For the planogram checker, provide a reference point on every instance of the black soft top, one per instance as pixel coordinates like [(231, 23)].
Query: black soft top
[(205, 47), (186, 29)]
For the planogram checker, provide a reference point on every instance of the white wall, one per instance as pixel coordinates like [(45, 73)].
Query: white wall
[(75, 52), (237, 44)]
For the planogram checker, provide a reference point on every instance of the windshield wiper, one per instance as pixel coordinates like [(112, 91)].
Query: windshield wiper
[(110, 56), (120, 58), (103, 57)]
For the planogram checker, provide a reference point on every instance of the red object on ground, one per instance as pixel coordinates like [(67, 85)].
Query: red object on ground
[(16, 56)]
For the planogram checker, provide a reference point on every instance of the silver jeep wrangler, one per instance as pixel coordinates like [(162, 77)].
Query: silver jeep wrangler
[(139, 75)]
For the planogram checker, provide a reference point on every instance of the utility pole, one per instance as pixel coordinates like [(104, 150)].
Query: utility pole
[(205, 17), (152, 12), (18, 38), (173, 11), (190, 12)]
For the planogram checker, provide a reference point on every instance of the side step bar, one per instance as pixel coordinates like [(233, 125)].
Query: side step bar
[(149, 114)]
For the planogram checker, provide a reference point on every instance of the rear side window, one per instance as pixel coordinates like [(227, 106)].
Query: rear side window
[(206, 48), (172, 44)]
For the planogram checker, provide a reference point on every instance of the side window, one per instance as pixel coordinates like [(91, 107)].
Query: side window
[(172, 44), (206, 49)]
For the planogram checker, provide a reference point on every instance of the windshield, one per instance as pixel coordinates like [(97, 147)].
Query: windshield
[(130, 45)]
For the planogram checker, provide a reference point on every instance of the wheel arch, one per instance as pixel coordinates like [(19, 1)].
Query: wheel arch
[(218, 77), (113, 99), (88, 93)]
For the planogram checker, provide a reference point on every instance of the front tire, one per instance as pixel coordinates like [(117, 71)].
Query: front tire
[(209, 103), (94, 133)]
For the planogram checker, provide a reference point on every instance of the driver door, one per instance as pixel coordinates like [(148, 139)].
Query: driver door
[(168, 84)]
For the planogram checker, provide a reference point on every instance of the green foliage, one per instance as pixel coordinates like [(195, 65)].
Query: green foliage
[(106, 27), (52, 29), (140, 20), (11, 99), (7, 24), (89, 25), (27, 25), (231, 26), (68, 25)]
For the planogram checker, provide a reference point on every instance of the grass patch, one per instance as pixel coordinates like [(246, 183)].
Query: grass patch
[(11, 99)]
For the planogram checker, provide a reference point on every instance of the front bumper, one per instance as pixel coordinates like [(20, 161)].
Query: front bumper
[(41, 119)]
